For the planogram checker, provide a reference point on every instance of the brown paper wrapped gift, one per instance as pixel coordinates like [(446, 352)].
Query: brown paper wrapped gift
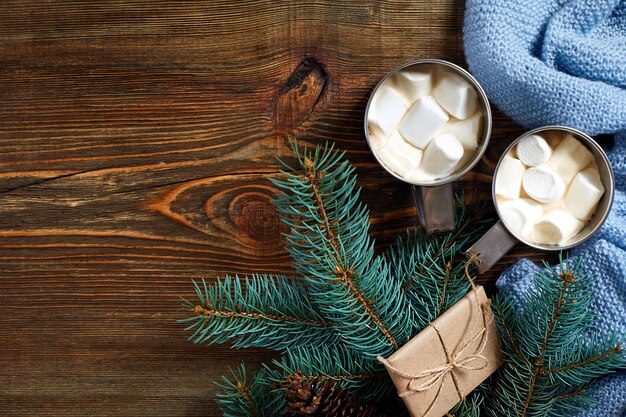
[(448, 359)]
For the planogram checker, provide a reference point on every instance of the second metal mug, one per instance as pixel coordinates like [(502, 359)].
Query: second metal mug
[(498, 240), (434, 199)]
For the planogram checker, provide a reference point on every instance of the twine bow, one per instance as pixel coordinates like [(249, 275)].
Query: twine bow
[(454, 360)]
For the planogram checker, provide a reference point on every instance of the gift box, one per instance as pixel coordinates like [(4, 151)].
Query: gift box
[(449, 358)]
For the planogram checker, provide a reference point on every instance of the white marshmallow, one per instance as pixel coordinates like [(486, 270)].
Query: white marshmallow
[(423, 121), (456, 95), (520, 215), (509, 177), (533, 150), (569, 158), (584, 193), (556, 227), (419, 176), (467, 156), (466, 131), (376, 138), (555, 205), (543, 184), (594, 165), (387, 109), (442, 155), (553, 137), (399, 156), (413, 84)]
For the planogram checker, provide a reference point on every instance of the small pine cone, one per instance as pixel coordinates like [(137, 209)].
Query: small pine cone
[(322, 398)]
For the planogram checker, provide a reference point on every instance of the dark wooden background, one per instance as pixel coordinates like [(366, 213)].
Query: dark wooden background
[(136, 139)]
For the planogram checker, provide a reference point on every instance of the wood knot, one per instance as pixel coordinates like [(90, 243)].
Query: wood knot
[(299, 95), (254, 214)]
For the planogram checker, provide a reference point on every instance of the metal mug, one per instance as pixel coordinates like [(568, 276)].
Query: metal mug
[(434, 199), (499, 239)]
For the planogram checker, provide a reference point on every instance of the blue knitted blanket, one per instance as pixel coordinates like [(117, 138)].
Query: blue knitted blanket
[(545, 62)]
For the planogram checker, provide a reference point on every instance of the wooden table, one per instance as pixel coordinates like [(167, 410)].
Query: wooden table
[(136, 139)]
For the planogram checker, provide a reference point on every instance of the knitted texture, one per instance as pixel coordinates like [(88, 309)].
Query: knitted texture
[(546, 62), (551, 61)]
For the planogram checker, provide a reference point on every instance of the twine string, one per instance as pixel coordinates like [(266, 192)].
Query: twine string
[(472, 260)]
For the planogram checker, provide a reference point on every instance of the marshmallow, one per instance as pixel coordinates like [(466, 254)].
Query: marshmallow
[(456, 95), (386, 110), (465, 159), (413, 84), (594, 165), (520, 215), (543, 184), (398, 155), (466, 131), (442, 155), (569, 158), (376, 138), (553, 137), (555, 205), (556, 227), (584, 193), (423, 121), (509, 177), (533, 150), (419, 176)]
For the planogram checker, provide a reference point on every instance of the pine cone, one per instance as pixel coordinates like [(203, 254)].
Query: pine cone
[(322, 398)]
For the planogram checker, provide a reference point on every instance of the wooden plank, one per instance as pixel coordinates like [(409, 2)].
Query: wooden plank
[(136, 139)]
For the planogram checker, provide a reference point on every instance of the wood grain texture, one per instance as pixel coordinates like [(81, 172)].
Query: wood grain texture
[(136, 139)]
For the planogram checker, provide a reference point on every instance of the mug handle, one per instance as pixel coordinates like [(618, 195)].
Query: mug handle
[(492, 246), (435, 208)]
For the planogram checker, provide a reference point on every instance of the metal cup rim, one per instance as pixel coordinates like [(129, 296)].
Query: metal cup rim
[(486, 136), (609, 188)]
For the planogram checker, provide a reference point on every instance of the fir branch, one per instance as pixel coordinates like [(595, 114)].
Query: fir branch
[(330, 245), (343, 272), (549, 354), (589, 361), (571, 402), (571, 394), (585, 360), (444, 285), (358, 374), (566, 279), (506, 320), (271, 312), (242, 398)]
